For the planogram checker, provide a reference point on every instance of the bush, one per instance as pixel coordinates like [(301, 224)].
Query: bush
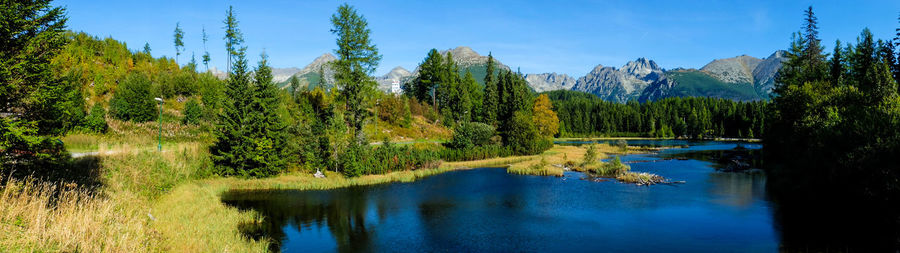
[(192, 112), (523, 137), (622, 144), (133, 100), (364, 160), (590, 156), (394, 110), (96, 121), (470, 134), (475, 153)]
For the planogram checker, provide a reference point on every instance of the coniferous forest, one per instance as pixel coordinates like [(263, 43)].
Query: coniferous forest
[(112, 147)]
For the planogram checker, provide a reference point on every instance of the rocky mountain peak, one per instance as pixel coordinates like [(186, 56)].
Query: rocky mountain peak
[(550, 81), (642, 68), (733, 70)]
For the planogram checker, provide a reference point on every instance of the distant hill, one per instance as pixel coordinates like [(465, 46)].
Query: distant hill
[(742, 78)]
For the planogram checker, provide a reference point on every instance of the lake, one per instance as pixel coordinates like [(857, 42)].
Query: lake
[(488, 210)]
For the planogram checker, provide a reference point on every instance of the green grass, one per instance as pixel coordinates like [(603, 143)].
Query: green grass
[(692, 83)]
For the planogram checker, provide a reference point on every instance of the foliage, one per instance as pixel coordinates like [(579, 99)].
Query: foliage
[(356, 59), (491, 96), (522, 137), (475, 153), (544, 117), (134, 100), (178, 40), (365, 160), (192, 112), (394, 110), (590, 156), (470, 134), (582, 114), (835, 124), (96, 120), (622, 144)]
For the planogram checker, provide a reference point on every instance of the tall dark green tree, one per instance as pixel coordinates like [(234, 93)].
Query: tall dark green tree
[(837, 65), (233, 37), (232, 151), (491, 99), (357, 58), (295, 86), (34, 103), (179, 40), (265, 129), (429, 78)]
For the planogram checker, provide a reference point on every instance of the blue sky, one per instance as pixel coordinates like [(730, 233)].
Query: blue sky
[(568, 37)]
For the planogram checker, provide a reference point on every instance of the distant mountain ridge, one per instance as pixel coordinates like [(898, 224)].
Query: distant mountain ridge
[(742, 77), (739, 78)]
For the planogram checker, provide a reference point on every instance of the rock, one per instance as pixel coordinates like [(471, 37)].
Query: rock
[(549, 82), (319, 174)]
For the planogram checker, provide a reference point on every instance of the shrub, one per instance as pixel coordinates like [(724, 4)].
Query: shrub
[(394, 110), (523, 137), (133, 100), (475, 153), (96, 120), (364, 160), (590, 156), (470, 134), (192, 112), (622, 144)]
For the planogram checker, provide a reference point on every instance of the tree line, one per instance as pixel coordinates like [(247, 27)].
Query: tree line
[(836, 120), (582, 114)]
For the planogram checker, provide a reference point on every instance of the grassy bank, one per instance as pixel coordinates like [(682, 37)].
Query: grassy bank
[(153, 201)]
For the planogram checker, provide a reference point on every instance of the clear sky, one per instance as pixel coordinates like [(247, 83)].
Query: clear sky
[(568, 37)]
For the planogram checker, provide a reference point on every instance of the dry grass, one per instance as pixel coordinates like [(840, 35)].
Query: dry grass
[(46, 217)]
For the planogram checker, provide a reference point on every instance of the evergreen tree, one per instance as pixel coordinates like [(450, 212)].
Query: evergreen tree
[(323, 80), (147, 48), (31, 34), (295, 86), (490, 104), (233, 38), (205, 56), (179, 40), (232, 150), (429, 78), (837, 65), (357, 58), (265, 128)]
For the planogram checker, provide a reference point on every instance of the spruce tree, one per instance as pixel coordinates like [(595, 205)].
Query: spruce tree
[(179, 40), (429, 77), (233, 38), (31, 35), (357, 58), (231, 150), (837, 65), (265, 128), (205, 56), (489, 106), (295, 86)]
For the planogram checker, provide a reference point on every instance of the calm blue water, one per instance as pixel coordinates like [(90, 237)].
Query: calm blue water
[(488, 210)]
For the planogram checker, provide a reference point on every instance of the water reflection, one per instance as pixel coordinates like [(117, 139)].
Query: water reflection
[(488, 210)]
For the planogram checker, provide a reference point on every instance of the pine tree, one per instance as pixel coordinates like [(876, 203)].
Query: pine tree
[(233, 38), (357, 58), (265, 129), (232, 149), (295, 86), (837, 65), (429, 78), (179, 40), (147, 48), (489, 106), (31, 35), (205, 56)]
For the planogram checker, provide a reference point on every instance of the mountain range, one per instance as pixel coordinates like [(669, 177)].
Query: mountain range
[(741, 78)]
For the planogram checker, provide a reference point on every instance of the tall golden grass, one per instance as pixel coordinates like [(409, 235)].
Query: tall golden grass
[(38, 216)]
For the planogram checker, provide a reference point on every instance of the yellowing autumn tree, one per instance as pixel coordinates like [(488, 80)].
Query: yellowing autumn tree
[(544, 117)]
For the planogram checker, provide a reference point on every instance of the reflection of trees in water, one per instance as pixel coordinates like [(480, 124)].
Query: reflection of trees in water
[(818, 216), (342, 211), (736, 188)]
